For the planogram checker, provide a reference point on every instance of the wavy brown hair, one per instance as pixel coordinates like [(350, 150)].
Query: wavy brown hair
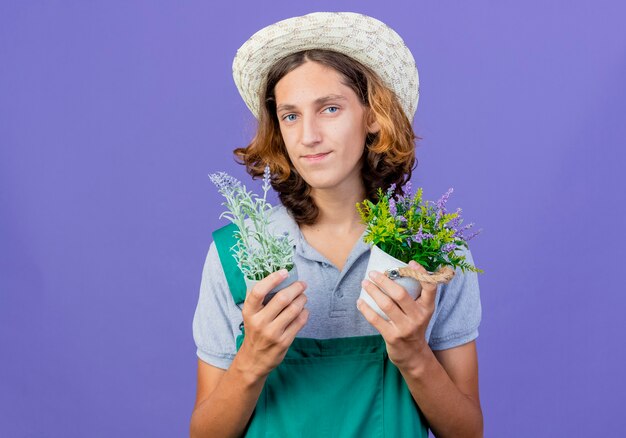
[(388, 156)]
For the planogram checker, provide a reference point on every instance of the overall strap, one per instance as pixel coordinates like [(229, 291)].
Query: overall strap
[(225, 239)]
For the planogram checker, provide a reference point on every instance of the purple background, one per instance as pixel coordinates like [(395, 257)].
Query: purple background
[(113, 113)]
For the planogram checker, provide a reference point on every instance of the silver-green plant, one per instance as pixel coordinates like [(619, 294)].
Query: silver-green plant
[(271, 253)]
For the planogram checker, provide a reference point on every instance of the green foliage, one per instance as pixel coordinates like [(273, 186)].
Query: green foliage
[(409, 228)]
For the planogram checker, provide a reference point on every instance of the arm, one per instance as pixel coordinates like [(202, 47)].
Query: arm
[(226, 399), (443, 384)]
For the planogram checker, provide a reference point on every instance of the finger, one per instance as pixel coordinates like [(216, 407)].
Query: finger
[(282, 299), (254, 298), (296, 325), (288, 314), (395, 291), (429, 290), (428, 297), (380, 323), (386, 303)]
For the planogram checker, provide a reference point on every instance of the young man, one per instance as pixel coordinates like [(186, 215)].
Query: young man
[(335, 95)]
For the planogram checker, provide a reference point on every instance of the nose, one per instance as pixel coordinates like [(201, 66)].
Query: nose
[(311, 134)]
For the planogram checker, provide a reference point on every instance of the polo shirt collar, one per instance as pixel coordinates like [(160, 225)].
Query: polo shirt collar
[(282, 221)]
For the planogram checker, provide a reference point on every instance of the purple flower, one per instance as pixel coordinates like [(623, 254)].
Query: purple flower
[(473, 235), (421, 236), (441, 203), (391, 190), (392, 207), (455, 222), (461, 231), (407, 189), (225, 183), (405, 199), (448, 247), (439, 214)]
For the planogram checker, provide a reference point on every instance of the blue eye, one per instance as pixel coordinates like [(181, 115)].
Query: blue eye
[(337, 108), (289, 115)]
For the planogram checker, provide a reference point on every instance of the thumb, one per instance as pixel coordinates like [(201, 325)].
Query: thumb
[(413, 264), (429, 290)]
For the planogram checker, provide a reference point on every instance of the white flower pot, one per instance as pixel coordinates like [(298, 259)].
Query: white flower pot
[(293, 276), (381, 261)]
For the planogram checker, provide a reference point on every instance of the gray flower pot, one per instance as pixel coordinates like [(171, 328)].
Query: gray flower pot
[(381, 261), (293, 276)]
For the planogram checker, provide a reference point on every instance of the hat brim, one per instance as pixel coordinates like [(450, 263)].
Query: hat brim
[(359, 36)]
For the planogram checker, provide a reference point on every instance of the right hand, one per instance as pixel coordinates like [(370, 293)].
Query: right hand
[(270, 329)]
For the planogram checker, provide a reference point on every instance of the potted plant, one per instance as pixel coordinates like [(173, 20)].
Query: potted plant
[(401, 228), (258, 252)]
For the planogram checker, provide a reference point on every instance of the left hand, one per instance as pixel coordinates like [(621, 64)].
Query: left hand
[(405, 332)]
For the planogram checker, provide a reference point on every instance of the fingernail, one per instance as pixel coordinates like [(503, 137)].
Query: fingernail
[(364, 283), (358, 303), (374, 274), (283, 273)]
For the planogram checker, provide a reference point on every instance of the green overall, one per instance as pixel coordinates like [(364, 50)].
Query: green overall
[(340, 387)]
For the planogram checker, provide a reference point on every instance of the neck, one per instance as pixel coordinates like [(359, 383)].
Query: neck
[(337, 210)]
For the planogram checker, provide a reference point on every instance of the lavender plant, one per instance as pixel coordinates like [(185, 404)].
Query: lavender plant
[(270, 253), (408, 228)]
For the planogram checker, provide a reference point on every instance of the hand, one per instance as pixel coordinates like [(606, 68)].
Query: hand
[(405, 332), (270, 329)]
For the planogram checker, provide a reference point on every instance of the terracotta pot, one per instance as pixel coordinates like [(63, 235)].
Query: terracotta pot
[(381, 261), (293, 276)]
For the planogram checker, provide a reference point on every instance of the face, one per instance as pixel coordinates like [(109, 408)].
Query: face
[(324, 125)]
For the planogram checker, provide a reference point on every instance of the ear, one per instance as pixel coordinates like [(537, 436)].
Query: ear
[(372, 124)]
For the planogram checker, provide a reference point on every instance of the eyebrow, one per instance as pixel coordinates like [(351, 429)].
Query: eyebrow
[(318, 101)]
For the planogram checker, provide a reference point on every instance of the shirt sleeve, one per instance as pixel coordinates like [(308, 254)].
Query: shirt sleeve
[(459, 310), (215, 321)]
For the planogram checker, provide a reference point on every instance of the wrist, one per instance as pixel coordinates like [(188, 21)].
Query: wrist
[(248, 368), (417, 364)]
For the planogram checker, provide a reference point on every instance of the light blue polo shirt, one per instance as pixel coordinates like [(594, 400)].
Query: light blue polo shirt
[(332, 297)]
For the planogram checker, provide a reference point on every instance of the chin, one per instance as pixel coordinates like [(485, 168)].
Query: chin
[(317, 179), (323, 185)]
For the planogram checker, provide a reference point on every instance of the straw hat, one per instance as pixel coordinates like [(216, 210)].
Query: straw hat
[(359, 36)]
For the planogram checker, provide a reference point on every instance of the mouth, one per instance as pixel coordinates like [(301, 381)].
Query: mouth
[(316, 157)]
